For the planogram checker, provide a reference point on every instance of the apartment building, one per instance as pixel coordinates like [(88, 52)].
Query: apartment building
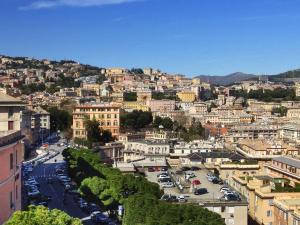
[(111, 152), (162, 105), (265, 149), (186, 96), (140, 149), (285, 167), (290, 132), (286, 211), (253, 131), (108, 116), (11, 156), (261, 192), (198, 108), (130, 106)]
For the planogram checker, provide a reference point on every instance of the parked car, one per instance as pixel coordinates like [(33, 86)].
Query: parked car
[(181, 198), (164, 169), (195, 168), (224, 189), (33, 193), (211, 178), (200, 191), (164, 179), (178, 172), (150, 169), (99, 217), (169, 198), (217, 181), (163, 174), (230, 197), (185, 168), (93, 207), (168, 185)]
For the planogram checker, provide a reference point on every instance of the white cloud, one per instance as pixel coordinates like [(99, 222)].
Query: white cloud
[(45, 4)]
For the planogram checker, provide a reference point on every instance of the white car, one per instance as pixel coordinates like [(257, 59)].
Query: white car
[(224, 190), (168, 185), (33, 193), (163, 176), (181, 198)]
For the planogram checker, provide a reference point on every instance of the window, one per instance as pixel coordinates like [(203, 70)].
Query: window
[(269, 213), (11, 199), (10, 125), (10, 112), (17, 192), (11, 156)]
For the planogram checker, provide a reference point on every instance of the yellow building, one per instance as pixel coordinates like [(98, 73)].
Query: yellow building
[(130, 106), (261, 191), (108, 116), (186, 96)]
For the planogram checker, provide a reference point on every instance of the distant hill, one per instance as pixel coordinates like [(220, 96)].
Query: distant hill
[(227, 79), (289, 76)]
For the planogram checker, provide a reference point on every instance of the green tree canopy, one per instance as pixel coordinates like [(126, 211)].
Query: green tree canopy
[(280, 110), (136, 120), (130, 96), (42, 215)]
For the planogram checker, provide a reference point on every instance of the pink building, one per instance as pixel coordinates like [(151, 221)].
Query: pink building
[(162, 105), (11, 157)]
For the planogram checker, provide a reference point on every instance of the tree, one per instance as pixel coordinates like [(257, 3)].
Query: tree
[(59, 119), (92, 128), (280, 110), (42, 215), (157, 121), (100, 79), (130, 96), (136, 120), (137, 71), (166, 122)]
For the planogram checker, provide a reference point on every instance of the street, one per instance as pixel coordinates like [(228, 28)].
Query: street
[(55, 189)]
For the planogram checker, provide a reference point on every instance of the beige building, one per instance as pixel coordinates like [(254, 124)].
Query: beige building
[(186, 96), (285, 167), (261, 191), (286, 210), (108, 116), (265, 149), (297, 89)]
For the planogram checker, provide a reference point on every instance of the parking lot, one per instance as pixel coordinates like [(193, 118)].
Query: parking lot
[(213, 189)]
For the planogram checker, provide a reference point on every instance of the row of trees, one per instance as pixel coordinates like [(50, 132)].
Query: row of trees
[(140, 197), (267, 95)]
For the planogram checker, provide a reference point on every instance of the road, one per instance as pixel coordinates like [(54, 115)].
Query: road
[(56, 190)]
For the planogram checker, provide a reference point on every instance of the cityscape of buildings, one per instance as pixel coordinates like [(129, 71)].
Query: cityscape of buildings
[(155, 120)]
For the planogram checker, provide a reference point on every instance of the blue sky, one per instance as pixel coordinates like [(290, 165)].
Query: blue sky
[(191, 37)]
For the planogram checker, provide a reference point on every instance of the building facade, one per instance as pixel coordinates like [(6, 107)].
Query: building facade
[(108, 116), (11, 157)]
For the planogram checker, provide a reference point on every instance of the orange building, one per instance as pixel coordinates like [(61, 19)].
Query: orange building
[(108, 116)]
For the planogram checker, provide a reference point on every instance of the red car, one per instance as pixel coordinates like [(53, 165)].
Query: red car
[(196, 182)]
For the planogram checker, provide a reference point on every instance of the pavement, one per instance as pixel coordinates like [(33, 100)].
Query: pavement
[(56, 190), (213, 189)]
